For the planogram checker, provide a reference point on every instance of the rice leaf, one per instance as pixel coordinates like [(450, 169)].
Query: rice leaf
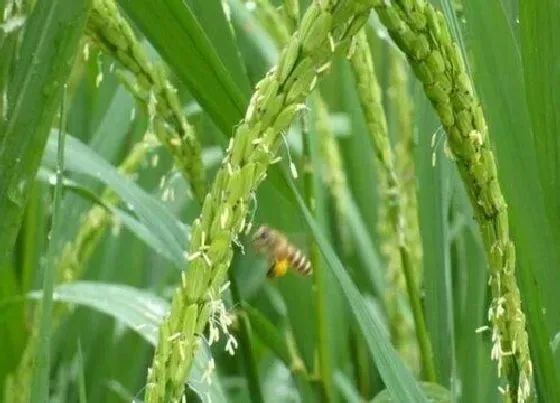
[(192, 57), (434, 392), (347, 390), (213, 17), (400, 382), (539, 33), (503, 97), (32, 95), (128, 220), (155, 217), (268, 333), (433, 170), (81, 377), (141, 312), (40, 383)]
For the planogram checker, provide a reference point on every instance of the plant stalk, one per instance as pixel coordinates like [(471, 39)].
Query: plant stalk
[(40, 385), (149, 84), (418, 314), (319, 280), (370, 100)]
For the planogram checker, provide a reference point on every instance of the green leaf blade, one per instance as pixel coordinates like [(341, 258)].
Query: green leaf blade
[(49, 45), (503, 98), (140, 311), (433, 189), (193, 58), (397, 377), (163, 225), (539, 33)]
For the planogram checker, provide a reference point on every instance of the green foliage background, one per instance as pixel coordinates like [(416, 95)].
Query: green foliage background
[(76, 104)]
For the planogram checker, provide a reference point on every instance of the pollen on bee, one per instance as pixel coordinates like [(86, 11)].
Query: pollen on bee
[(280, 267)]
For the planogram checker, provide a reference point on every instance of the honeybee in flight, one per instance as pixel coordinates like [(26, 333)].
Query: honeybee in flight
[(281, 252)]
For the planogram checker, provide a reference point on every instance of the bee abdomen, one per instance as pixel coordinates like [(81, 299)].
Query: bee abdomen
[(306, 268), (299, 261)]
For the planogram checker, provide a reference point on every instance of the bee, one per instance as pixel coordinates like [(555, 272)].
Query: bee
[(281, 252)]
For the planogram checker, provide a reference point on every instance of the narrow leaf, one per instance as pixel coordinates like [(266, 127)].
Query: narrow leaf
[(433, 189), (364, 245), (502, 91), (346, 388), (212, 18), (49, 44), (81, 377), (269, 334), (434, 392), (128, 220), (539, 33), (191, 56), (41, 365), (140, 311), (399, 380), (152, 213)]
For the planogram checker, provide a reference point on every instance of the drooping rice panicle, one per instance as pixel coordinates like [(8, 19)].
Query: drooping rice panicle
[(148, 82), (275, 102), (421, 32), (397, 251)]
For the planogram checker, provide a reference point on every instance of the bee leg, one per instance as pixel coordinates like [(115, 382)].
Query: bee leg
[(271, 270)]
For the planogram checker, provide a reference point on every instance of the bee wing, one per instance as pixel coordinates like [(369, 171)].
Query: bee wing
[(297, 239), (300, 240)]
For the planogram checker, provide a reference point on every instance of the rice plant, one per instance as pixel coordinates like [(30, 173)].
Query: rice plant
[(404, 153)]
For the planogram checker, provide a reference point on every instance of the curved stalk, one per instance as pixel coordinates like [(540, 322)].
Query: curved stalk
[(370, 101), (277, 99), (422, 34)]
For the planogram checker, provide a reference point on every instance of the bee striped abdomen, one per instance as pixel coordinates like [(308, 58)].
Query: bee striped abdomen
[(299, 261), (281, 252)]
